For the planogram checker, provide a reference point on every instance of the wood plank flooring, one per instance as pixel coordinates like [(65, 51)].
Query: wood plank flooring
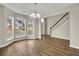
[(43, 47)]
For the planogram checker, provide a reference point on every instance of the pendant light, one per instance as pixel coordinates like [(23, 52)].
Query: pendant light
[(35, 13)]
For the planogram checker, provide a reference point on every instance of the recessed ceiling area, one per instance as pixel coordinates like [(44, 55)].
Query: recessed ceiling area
[(43, 8)]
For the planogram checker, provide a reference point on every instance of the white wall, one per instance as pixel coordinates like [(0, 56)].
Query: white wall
[(39, 33), (38, 28), (74, 26), (62, 31), (2, 31), (42, 28)]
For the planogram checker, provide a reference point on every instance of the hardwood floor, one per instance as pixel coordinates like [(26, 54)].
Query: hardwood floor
[(43, 47)]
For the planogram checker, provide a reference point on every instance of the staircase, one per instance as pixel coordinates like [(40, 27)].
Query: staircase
[(62, 20), (59, 22)]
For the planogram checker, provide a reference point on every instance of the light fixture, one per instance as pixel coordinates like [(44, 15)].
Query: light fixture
[(42, 20), (35, 14)]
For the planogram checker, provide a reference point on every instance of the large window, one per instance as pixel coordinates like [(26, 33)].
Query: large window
[(16, 28), (9, 28), (20, 27), (30, 27)]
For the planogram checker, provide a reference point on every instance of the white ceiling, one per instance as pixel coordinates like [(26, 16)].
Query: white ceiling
[(43, 8)]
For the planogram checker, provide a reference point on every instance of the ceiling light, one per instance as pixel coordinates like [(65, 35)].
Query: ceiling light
[(35, 14), (42, 20), (38, 15)]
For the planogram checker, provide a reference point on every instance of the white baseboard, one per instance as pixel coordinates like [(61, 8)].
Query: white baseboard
[(30, 37), (60, 38), (74, 46), (17, 39), (7, 43)]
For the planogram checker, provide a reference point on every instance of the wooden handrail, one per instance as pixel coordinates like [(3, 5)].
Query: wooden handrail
[(58, 21)]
